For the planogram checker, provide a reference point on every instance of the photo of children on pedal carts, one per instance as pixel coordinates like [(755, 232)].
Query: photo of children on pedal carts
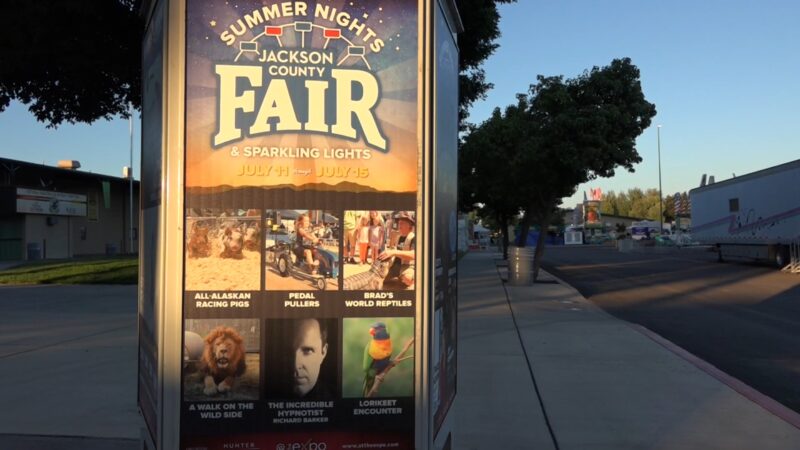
[(379, 251), (302, 250)]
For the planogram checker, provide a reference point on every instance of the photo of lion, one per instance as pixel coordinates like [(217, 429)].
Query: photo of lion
[(227, 369), (223, 360)]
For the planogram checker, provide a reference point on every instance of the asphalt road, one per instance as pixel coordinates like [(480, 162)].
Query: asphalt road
[(742, 318)]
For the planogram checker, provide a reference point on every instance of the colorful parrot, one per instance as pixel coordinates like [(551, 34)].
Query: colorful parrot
[(377, 354)]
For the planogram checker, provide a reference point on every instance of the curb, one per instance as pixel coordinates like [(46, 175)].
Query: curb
[(767, 403)]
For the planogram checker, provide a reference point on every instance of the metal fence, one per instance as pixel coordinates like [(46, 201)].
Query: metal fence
[(794, 257)]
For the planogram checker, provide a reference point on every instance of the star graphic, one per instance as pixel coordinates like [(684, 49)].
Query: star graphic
[(213, 23)]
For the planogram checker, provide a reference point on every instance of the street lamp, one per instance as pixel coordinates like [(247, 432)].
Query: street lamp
[(660, 196)]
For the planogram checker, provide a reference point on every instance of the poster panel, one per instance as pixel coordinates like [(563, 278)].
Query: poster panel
[(301, 185), (445, 246), (150, 200)]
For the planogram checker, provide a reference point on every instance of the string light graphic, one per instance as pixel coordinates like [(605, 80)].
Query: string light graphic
[(277, 31)]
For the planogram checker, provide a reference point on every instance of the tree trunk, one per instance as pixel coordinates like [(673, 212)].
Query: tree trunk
[(504, 238), (524, 227), (544, 223)]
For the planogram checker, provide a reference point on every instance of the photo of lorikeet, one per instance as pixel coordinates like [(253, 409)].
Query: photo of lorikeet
[(374, 365), (377, 354)]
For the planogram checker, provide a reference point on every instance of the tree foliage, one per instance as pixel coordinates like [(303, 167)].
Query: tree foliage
[(481, 30), (486, 179), (80, 60), (581, 129), (568, 132), (70, 60), (638, 204)]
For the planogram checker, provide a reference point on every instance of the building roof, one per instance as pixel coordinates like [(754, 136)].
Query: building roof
[(42, 176), (606, 216), (749, 176)]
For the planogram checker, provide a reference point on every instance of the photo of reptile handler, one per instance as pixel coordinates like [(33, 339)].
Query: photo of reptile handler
[(386, 254)]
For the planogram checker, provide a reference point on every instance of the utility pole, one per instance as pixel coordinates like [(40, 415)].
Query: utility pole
[(660, 195), (130, 182)]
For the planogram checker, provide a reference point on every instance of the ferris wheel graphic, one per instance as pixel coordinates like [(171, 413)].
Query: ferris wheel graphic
[(277, 32)]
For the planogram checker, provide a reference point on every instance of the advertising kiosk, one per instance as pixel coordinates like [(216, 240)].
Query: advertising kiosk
[(298, 263)]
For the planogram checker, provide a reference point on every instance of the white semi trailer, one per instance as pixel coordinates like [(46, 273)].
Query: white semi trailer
[(754, 216)]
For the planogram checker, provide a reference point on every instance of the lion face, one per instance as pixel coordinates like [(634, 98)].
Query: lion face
[(224, 352), (222, 348)]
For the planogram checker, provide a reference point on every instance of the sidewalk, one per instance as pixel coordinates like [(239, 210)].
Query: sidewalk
[(602, 384), (68, 356), (69, 383)]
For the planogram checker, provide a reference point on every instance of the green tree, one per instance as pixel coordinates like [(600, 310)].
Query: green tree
[(639, 204), (610, 204), (644, 204), (80, 60), (624, 204), (562, 134), (669, 209), (71, 60), (578, 130), (482, 29), (486, 179)]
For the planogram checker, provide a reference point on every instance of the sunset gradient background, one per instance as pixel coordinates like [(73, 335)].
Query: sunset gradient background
[(396, 67)]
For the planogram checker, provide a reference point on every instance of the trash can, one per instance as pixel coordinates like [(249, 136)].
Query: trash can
[(111, 249), (520, 265), (34, 251)]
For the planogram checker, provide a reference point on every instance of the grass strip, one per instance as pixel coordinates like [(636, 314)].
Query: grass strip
[(124, 270)]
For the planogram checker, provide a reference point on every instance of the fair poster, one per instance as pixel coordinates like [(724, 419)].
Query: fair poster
[(301, 190)]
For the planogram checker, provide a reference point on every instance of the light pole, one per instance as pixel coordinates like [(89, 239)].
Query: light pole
[(660, 196), (130, 182)]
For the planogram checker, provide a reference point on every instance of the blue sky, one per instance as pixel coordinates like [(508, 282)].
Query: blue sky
[(102, 147), (723, 75)]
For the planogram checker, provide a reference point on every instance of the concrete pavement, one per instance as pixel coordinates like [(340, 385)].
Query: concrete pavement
[(539, 368), (602, 383), (496, 402), (68, 368)]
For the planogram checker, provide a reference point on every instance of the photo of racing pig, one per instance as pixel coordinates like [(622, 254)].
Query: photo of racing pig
[(223, 249)]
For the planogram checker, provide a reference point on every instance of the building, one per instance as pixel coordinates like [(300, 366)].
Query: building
[(53, 212), (609, 222)]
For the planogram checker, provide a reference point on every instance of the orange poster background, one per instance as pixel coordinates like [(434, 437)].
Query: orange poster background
[(395, 66)]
